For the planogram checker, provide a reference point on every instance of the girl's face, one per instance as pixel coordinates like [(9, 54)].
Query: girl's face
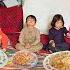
[(30, 22), (59, 24)]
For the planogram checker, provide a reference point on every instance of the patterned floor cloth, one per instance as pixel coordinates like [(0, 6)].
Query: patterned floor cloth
[(39, 65)]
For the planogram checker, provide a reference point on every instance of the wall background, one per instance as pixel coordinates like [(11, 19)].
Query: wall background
[(44, 10)]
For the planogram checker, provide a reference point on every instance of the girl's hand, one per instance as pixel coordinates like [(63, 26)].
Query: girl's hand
[(4, 50), (68, 35), (52, 43), (27, 46)]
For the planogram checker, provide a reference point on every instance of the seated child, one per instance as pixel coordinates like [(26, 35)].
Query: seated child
[(3, 40), (57, 34), (30, 36)]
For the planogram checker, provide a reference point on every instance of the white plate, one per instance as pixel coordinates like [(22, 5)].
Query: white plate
[(46, 61), (3, 59), (31, 63)]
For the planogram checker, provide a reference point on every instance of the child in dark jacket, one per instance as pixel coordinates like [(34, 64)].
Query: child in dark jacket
[(57, 34)]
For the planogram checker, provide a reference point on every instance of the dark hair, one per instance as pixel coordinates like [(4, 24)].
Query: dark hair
[(56, 18), (32, 16)]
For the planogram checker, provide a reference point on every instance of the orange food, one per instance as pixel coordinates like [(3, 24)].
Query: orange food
[(61, 62), (22, 58)]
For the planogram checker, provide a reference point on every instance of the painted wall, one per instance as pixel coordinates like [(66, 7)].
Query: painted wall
[(44, 10)]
